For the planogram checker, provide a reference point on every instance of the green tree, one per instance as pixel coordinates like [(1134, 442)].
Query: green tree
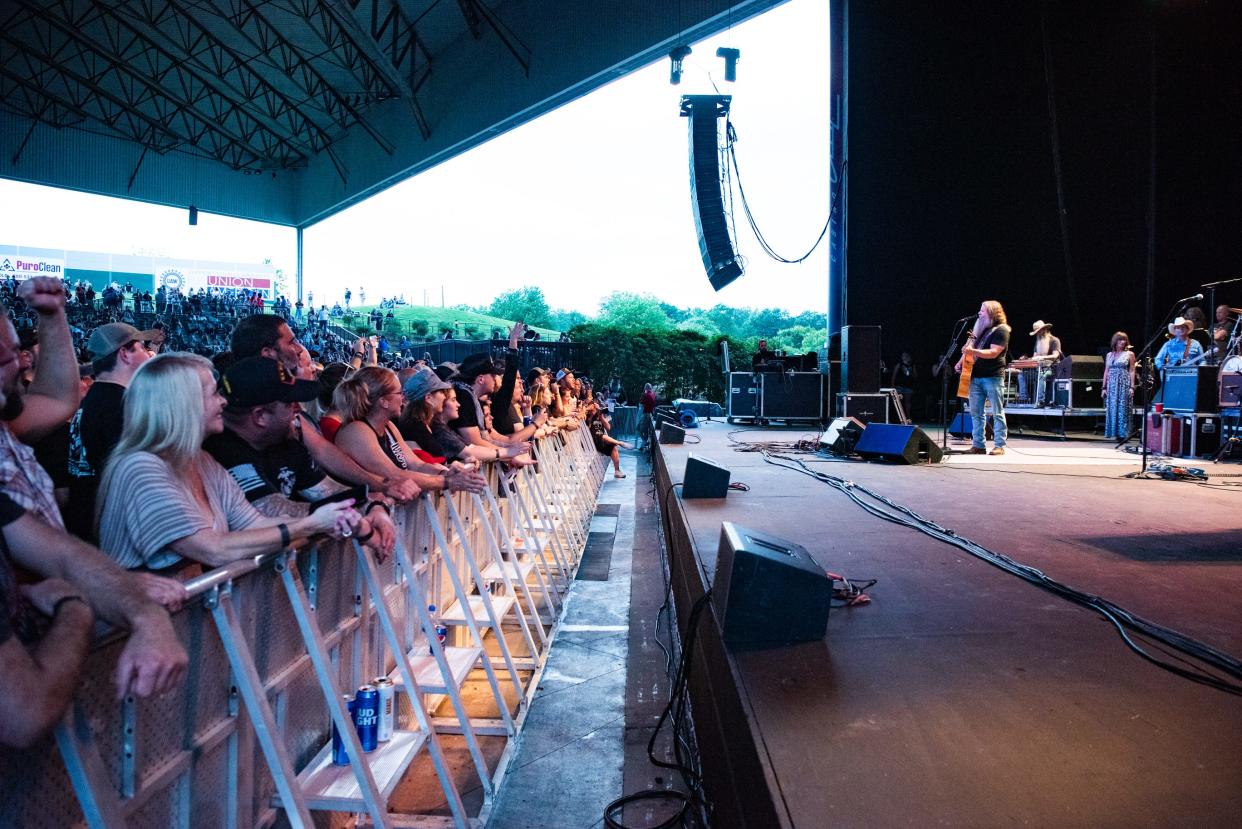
[(703, 324), (563, 320), (527, 304), (632, 312)]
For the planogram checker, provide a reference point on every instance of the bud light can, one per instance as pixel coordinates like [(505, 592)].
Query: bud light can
[(387, 707), (366, 716), (339, 757)]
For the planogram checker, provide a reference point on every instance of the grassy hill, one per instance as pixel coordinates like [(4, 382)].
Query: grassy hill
[(438, 319)]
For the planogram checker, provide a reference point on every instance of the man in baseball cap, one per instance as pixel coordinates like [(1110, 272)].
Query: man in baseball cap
[(260, 381), (107, 339)]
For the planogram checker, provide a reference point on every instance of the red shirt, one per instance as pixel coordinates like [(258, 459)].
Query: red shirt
[(649, 402)]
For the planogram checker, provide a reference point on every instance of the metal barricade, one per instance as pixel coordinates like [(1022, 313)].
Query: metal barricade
[(274, 640)]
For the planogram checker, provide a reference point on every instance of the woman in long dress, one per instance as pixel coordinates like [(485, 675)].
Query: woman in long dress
[(1118, 387)]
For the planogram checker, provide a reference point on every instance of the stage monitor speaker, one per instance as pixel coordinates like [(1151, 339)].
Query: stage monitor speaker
[(895, 442), (842, 435), (707, 195), (1230, 389), (704, 479), (768, 590), (1190, 389), (860, 359), (963, 426), (671, 433)]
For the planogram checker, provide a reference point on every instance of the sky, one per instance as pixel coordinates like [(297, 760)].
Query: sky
[(588, 199)]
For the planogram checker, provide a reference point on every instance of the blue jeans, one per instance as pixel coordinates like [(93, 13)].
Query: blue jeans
[(987, 389)]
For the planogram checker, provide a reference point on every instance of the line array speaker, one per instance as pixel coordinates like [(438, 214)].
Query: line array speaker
[(706, 191)]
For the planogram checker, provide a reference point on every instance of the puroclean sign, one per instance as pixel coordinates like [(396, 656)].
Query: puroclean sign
[(24, 267)]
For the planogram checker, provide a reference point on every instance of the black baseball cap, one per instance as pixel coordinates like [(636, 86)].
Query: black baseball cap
[(257, 381), (478, 364)]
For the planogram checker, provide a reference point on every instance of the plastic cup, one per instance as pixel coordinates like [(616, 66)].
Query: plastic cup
[(1159, 408)]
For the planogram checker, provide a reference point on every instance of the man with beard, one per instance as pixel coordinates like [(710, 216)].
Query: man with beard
[(989, 345), (46, 628)]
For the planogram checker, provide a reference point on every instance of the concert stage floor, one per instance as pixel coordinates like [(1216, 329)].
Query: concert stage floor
[(963, 695)]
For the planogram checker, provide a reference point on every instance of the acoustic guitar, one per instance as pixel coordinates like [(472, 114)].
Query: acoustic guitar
[(968, 362)]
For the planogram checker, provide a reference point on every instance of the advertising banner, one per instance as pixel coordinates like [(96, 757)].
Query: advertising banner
[(191, 279), (23, 267)]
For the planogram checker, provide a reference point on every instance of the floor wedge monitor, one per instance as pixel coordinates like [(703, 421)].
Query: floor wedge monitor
[(768, 590), (704, 479), (901, 444)]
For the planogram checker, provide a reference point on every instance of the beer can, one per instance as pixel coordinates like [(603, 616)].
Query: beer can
[(442, 634), (366, 716), (387, 707), (339, 757)]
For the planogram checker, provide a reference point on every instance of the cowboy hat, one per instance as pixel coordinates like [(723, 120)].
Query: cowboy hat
[(1179, 322), (1039, 325)]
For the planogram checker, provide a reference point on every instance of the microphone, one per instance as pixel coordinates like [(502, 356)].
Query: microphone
[(968, 317), (1195, 298)]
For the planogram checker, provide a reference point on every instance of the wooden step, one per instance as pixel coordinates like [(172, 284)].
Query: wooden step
[(461, 662), (518, 570), (456, 615), (328, 787)]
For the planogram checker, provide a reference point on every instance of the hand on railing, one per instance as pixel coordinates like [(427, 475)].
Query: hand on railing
[(170, 593), (379, 533), (339, 519), (152, 661), (401, 490), (463, 478)]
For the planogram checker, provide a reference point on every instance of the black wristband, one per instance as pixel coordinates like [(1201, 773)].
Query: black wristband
[(363, 539), (63, 599), (373, 504), (284, 535)]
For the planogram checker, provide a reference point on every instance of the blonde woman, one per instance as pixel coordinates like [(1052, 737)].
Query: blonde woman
[(370, 402), (164, 502)]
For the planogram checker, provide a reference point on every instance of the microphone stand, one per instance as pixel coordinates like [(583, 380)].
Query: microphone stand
[(1145, 354), (958, 328)]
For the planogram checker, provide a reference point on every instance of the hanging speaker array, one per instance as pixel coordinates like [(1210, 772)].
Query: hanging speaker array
[(707, 188)]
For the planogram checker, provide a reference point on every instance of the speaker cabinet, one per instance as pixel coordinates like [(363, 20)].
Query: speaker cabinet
[(867, 408), (768, 590), (715, 245), (744, 391), (1078, 394), (671, 433), (897, 443), (704, 479), (860, 359), (842, 435), (1189, 389), (794, 395)]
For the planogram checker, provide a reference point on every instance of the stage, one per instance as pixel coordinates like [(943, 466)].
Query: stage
[(963, 695)]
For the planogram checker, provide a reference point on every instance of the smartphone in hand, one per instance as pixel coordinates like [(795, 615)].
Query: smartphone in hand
[(358, 493)]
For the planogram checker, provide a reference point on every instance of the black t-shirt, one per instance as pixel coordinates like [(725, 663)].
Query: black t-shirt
[(598, 431), (467, 415), (103, 418), (285, 469), (52, 453), (999, 335), (417, 432)]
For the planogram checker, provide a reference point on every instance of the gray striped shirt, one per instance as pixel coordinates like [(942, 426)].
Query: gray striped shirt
[(149, 507)]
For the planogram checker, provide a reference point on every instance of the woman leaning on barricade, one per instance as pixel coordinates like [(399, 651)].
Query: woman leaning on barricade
[(370, 402), (165, 503)]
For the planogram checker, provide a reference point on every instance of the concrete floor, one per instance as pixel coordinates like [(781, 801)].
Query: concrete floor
[(570, 757)]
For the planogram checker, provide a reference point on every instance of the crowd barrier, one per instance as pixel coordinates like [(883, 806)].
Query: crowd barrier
[(275, 641)]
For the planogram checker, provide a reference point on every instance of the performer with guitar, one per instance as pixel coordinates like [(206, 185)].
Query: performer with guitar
[(983, 359)]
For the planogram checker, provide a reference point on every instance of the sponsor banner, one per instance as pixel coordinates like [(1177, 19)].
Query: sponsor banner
[(191, 279), (24, 267)]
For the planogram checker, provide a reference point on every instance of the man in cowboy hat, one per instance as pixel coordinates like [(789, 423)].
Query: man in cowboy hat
[(1047, 351), (1181, 349)]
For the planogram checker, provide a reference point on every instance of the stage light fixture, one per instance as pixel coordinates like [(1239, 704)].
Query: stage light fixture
[(730, 58), (193, 215), (677, 56)]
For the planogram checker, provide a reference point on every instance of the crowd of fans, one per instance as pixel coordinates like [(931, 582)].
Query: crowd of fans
[(131, 458)]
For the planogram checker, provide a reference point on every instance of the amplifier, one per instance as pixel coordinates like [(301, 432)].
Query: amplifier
[(868, 408), (1230, 389), (1189, 389), (1079, 367), (1078, 394), (795, 395)]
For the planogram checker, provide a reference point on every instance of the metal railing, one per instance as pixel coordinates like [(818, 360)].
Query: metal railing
[(273, 641)]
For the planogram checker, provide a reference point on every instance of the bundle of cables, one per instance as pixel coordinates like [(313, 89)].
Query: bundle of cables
[(1214, 668)]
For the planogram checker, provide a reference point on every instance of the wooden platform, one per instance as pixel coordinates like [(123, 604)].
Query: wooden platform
[(962, 695)]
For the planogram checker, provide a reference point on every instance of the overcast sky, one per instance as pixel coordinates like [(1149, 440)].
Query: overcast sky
[(590, 198)]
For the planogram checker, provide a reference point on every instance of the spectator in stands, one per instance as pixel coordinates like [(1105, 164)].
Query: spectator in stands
[(323, 318), (371, 400), (606, 444), (200, 515), (117, 350), (274, 469)]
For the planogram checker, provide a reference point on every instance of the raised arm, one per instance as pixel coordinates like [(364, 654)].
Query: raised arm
[(53, 396)]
